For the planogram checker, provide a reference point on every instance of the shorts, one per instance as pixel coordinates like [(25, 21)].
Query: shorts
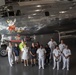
[(33, 57)]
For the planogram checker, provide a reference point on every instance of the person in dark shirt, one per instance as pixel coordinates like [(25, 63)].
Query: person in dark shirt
[(47, 54), (16, 52), (33, 54)]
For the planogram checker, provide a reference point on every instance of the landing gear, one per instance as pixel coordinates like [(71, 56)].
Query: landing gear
[(3, 52)]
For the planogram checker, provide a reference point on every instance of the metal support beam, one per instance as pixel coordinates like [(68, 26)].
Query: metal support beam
[(58, 35)]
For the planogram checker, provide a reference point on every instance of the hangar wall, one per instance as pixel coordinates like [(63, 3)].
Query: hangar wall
[(2, 2)]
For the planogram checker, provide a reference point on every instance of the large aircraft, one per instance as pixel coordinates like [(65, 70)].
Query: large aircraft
[(38, 17)]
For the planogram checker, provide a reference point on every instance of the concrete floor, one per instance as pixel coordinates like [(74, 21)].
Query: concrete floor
[(19, 69)]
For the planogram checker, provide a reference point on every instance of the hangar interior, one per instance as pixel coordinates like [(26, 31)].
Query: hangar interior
[(38, 21)]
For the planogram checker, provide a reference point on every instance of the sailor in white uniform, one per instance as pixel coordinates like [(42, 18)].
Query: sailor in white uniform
[(52, 44), (66, 57), (56, 57), (61, 47), (10, 55), (41, 54)]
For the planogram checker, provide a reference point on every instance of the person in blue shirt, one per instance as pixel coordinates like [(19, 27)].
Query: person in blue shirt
[(16, 52)]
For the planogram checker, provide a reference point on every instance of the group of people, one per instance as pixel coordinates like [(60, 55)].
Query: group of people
[(52, 51)]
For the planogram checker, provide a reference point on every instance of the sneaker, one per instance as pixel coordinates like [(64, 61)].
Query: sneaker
[(67, 69), (53, 68), (39, 67), (42, 67), (11, 65), (24, 65), (62, 68)]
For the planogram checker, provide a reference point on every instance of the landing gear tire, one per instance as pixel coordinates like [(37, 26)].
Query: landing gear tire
[(3, 53)]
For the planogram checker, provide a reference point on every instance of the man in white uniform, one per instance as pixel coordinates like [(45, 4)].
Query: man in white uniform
[(10, 55), (66, 57), (61, 47), (52, 44), (56, 59), (41, 54)]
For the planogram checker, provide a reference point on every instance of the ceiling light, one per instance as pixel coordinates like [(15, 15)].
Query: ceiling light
[(52, 15), (29, 17), (34, 14), (62, 12), (38, 10), (70, 7), (38, 6)]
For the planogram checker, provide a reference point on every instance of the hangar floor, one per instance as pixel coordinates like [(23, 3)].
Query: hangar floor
[(19, 69)]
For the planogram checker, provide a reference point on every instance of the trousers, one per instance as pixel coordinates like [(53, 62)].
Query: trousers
[(66, 63), (41, 62), (55, 63), (10, 58)]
